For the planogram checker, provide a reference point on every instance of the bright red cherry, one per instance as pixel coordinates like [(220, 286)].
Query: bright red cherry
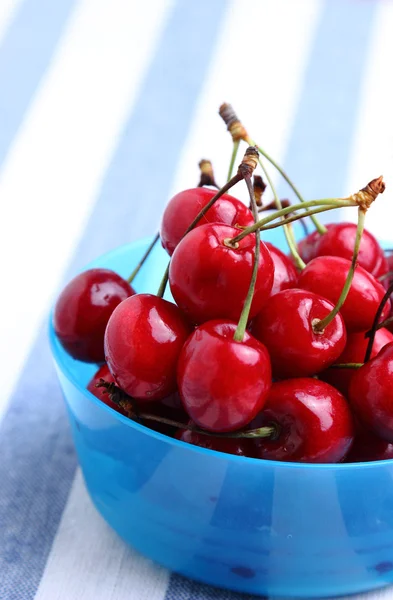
[(371, 394), (326, 275), (354, 352), (237, 446), (223, 383), (339, 240), (314, 422), (368, 447), (209, 280), (285, 273), (99, 392), (83, 309), (285, 326), (184, 207), (143, 340)]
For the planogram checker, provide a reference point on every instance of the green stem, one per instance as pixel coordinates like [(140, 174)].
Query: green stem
[(144, 258), (385, 276), (321, 325), (377, 318), (242, 324), (346, 366), (298, 216), (233, 158)]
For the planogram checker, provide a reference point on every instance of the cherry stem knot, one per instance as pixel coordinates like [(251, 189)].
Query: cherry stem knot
[(207, 174), (375, 326)]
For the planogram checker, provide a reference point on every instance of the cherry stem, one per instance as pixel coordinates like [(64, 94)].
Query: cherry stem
[(235, 149), (346, 366), (297, 217), (272, 205), (375, 326), (144, 258), (245, 169), (242, 324), (385, 276), (128, 404), (380, 326), (323, 323), (207, 174)]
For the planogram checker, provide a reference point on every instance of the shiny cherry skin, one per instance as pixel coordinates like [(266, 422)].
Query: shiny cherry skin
[(354, 352), (325, 275), (285, 326), (339, 240), (223, 383), (99, 392), (210, 281), (307, 246), (184, 207), (83, 309), (237, 446), (368, 447), (371, 394), (314, 422), (285, 273), (143, 340)]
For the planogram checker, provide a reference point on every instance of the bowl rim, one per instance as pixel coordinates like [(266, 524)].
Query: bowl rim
[(57, 351)]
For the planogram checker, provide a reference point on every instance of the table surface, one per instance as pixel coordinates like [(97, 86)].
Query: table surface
[(106, 107)]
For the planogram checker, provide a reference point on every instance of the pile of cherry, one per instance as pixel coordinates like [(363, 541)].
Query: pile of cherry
[(239, 363)]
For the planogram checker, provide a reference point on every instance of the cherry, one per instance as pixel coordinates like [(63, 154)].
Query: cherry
[(314, 422), (326, 275), (99, 392), (237, 446), (307, 246), (285, 326), (210, 280), (368, 447), (170, 407), (285, 273), (339, 240), (371, 394), (83, 309), (223, 383), (143, 341), (184, 207), (354, 352)]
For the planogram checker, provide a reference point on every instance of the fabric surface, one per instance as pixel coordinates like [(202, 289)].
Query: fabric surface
[(106, 108)]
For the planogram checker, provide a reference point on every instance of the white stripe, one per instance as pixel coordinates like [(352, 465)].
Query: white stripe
[(54, 169), (258, 67), (372, 151), (88, 561), (8, 9)]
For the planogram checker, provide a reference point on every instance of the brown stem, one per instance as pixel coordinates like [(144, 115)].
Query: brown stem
[(377, 318), (207, 174), (231, 120), (259, 187)]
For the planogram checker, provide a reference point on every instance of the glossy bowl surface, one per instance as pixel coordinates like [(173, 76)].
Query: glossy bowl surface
[(260, 527)]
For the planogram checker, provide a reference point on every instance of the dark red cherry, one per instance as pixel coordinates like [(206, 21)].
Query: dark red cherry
[(223, 384), (307, 246), (99, 392), (371, 394), (368, 447), (339, 240), (170, 407), (354, 352), (209, 280), (326, 275), (285, 326), (285, 273), (237, 446), (184, 207), (83, 309), (143, 340), (314, 421)]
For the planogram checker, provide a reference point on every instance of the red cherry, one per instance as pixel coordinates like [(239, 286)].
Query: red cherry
[(99, 392), (223, 383), (307, 246), (314, 422), (184, 207), (339, 240), (354, 352), (285, 326), (237, 446), (143, 340), (209, 280), (326, 275), (285, 273), (368, 447), (170, 407), (83, 309), (371, 394)]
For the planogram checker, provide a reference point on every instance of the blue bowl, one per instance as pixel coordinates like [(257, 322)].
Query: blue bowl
[(262, 527)]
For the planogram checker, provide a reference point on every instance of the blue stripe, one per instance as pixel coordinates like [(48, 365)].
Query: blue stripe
[(25, 54), (37, 461)]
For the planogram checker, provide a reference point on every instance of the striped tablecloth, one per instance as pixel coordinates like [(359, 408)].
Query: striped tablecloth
[(106, 107)]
